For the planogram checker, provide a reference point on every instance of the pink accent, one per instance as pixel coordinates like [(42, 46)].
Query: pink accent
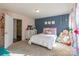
[(77, 49), (76, 31)]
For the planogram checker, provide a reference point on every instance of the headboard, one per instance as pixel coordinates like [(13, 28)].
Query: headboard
[(50, 31)]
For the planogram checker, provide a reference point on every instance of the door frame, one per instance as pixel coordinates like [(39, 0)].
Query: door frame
[(16, 30)]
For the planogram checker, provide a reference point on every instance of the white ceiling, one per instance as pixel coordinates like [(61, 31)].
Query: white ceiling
[(46, 9)]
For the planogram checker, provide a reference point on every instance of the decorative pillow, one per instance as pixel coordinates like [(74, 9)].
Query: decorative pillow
[(49, 31)]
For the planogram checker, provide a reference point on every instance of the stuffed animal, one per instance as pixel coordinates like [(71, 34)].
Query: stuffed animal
[(65, 38)]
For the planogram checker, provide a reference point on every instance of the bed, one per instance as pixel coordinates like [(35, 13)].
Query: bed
[(46, 39)]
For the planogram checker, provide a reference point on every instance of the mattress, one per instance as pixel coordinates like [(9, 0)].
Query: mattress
[(43, 40)]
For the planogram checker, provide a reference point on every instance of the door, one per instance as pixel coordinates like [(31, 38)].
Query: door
[(19, 30), (8, 31)]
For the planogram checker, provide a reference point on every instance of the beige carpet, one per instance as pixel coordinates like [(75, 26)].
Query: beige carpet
[(22, 47)]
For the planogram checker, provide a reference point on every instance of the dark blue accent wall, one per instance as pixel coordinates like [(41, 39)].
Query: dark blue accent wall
[(61, 23)]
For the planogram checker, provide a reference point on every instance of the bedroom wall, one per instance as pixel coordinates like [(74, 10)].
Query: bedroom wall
[(25, 20), (61, 22)]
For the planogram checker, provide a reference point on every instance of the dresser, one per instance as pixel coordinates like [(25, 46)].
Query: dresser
[(30, 33)]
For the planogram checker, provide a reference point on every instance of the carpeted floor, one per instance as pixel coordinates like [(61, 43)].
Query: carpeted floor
[(22, 47)]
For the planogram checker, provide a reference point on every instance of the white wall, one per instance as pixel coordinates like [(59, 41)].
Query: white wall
[(25, 20), (31, 22)]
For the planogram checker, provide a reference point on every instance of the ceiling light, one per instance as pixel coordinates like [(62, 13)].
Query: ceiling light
[(37, 10)]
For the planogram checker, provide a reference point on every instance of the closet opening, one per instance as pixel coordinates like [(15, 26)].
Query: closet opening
[(17, 30)]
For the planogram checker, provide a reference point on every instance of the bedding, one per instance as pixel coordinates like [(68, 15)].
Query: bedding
[(45, 40)]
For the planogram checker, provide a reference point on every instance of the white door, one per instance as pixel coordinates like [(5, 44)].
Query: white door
[(8, 31)]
